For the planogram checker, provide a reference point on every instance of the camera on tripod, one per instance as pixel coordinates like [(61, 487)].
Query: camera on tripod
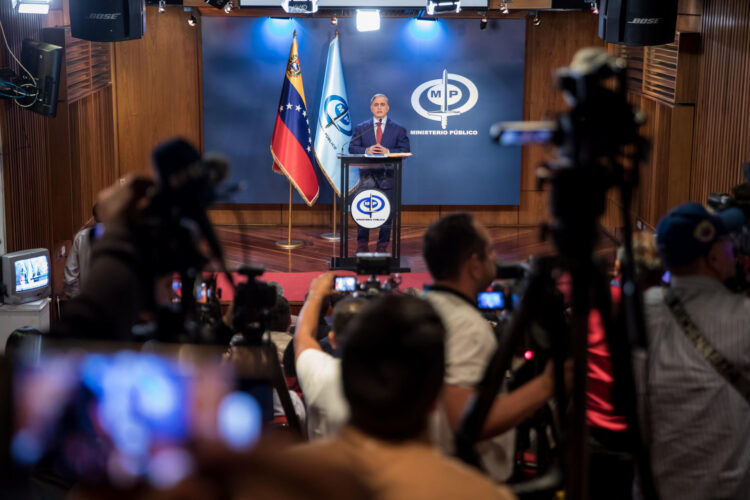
[(372, 265), (738, 197), (252, 301)]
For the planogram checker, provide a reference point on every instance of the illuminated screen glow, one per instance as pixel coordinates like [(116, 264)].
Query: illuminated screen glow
[(31, 273)]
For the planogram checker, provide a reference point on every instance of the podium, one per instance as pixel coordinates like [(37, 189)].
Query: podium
[(344, 261)]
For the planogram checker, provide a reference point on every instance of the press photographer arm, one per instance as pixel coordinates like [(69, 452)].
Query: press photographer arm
[(508, 410), (307, 325)]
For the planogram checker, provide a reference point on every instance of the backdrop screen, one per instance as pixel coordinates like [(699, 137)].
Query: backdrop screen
[(454, 162)]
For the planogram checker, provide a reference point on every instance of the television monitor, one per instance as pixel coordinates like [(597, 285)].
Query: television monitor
[(43, 60), (26, 276)]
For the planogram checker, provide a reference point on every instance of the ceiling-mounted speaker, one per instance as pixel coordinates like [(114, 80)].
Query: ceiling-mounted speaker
[(638, 22), (107, 20)]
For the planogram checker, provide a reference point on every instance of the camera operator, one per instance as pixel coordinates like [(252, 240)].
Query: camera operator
[(151, 231), (111, 298), (319, 373), (461, 260), (392, 367), (697, 365)]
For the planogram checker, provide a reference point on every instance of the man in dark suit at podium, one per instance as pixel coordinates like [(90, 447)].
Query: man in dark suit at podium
[(381, 135)]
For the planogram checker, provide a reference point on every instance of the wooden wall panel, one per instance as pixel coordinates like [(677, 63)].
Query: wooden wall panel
[(93, 150), (24, 149), (722, 121), (157, 88)]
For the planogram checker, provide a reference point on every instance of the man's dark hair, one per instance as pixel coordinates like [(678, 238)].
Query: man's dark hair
[(279, 316), (449, 242), (392, 366), (343, 313)]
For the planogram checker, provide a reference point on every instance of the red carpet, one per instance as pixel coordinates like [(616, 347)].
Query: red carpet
[(296, 285)]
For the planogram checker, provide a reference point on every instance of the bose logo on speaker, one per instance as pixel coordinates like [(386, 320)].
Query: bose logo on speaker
[(105, 17), (645, 20)]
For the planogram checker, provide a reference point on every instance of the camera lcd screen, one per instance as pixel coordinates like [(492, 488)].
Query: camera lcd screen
[(491, 300), (345, 283)]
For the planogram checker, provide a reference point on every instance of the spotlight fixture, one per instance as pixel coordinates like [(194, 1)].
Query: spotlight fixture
[(368, 19), (162, 6), (536, 21), (192, 20), (334, 21), (504, 8), (443, 6), (31, 6), (300, 6), (483, 23)]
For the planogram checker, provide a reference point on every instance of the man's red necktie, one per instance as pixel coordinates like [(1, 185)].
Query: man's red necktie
[(379, 132)]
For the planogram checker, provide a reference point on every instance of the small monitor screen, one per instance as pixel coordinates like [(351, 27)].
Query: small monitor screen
[(31, 273)]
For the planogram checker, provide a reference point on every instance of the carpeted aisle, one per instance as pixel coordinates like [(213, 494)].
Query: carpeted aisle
[(296, 285)]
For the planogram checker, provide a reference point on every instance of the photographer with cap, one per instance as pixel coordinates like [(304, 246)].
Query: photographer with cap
[(695, 388)]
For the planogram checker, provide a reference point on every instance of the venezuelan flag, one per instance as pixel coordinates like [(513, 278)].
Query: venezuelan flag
[(291, 146)]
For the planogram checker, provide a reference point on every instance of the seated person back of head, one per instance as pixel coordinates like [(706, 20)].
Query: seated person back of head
[(392, 369), (699, 424)]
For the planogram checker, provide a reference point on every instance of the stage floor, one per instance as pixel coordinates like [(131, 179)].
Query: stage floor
[(255, 244)]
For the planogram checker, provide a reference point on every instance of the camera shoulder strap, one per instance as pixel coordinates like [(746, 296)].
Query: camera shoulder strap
[(727, 370)]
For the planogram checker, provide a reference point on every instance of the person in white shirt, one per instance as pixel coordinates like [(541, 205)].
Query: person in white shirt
[(319, 373), (461, 259), (77, 264)]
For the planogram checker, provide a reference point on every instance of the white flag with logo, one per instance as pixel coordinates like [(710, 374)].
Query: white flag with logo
[(335, 127)]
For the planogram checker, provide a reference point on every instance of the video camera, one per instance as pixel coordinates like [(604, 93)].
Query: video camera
[(252, 301), (739, 197), (373, 265), (176, 216)]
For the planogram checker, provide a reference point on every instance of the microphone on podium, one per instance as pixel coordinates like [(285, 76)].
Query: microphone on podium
[(355, 137)]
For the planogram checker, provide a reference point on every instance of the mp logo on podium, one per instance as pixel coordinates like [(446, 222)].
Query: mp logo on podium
[(371, 208), (448, 96)]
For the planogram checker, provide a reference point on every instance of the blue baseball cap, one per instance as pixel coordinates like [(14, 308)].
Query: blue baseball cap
[(688, 232)]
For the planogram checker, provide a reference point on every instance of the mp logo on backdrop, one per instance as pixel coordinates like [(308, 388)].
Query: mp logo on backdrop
[(371, 208), (442, 98)]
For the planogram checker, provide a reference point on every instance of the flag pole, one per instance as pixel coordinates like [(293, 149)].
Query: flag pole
[(289, 243), (333, 236)]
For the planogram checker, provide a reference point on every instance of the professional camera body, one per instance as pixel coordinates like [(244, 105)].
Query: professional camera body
[(252, 301), (372, 265), (739, 197)]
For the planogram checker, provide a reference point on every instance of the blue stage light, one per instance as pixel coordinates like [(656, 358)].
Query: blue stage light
[(424, 28), (280, 27)]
